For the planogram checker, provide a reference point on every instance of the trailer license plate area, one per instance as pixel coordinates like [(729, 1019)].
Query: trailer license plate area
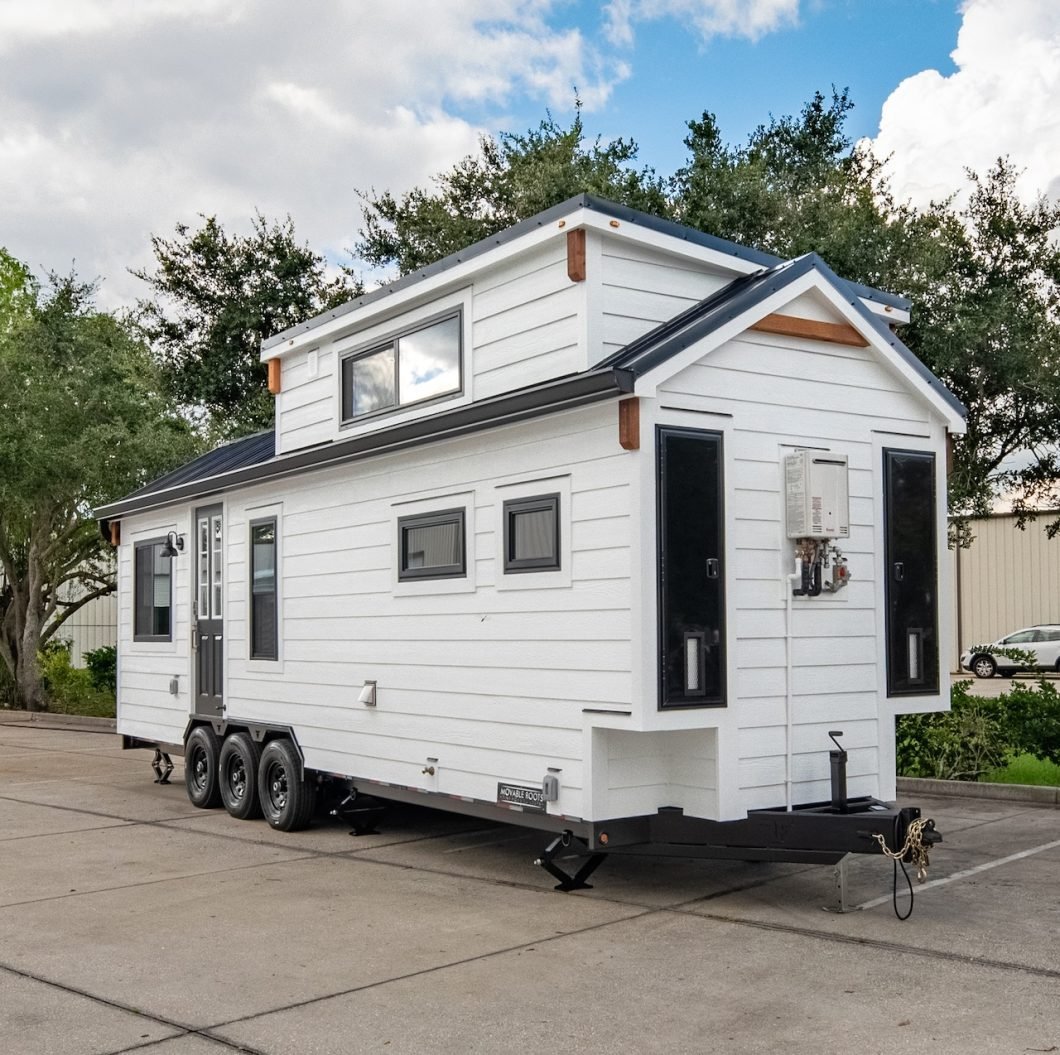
[(531, 799)]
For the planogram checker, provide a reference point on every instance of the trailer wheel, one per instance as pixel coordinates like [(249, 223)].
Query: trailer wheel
[(201, 753), (287, 798), (238, 776)]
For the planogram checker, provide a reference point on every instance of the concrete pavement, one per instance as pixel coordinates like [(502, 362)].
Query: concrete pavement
[(130, 921)]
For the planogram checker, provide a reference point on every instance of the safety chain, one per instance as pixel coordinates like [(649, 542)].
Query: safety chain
[(915, 849)]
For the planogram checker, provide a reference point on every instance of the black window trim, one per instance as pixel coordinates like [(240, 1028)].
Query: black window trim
[(514, 506), (257, 522), (458, 516), (394, 340), (137, 546)]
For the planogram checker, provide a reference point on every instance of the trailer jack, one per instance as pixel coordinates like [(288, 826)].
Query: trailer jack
[(567, 882), (162, 764)]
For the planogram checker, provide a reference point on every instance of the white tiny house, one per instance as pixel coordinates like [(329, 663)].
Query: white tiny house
[(597, 524)]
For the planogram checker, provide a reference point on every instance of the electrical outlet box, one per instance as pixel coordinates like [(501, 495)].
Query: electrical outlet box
[(817, 495)]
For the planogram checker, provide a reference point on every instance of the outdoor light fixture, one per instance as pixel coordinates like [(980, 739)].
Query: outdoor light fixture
[(174, 545)]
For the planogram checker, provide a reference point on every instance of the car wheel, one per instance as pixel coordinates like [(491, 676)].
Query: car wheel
[(984, 667), (238, 776), (287, 798), (201, 754)]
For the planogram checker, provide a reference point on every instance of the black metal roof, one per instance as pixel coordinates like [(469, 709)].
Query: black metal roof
[(237, 454), (547, 217)]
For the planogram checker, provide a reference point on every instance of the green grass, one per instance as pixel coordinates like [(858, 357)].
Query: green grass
[(1025, 769)]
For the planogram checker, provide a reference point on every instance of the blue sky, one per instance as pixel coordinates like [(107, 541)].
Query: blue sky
[(120, 118)]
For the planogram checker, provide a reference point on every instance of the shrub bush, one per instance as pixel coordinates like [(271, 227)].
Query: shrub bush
[(978, 735), (69, 689), (103, 667)]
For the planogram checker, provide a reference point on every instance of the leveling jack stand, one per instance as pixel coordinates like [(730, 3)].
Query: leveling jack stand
[(566, 883), (840, 875), (162, 765)]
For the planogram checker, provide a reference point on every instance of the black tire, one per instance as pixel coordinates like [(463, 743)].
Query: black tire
[(983, 666), (202, 750), (237, 773), (287, 799)]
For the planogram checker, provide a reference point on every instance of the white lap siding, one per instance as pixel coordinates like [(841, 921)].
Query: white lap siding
[(490, 682), (776, 395), (146, 706)]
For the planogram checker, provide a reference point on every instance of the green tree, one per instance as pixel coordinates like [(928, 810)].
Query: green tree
[(216, 297), (512, 177), (82, 420)]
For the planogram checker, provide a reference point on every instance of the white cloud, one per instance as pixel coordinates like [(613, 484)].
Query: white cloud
[(1004, 98), (709, 18), (122, 117)]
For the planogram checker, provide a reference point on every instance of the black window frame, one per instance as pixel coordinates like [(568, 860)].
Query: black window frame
[(274, 655), (435, 518), (393, 340), (511, 509), (138, 548)]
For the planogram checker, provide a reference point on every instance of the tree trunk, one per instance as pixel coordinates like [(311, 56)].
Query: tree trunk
[(27, 671)]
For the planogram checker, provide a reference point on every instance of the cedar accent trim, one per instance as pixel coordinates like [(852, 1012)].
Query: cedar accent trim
[(629, 424), (274, 376), (115, 533), (576, 255), (811, 329)]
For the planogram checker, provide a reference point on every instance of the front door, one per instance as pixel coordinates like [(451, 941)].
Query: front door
[(691, 582), (209, 600)]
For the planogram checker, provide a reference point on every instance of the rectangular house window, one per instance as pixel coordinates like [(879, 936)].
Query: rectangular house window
[(431, 545), (531, 534), (153, 615), (411, 367), (263, 614)]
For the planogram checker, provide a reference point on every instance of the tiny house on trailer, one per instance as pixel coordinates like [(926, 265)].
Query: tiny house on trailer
[(602, 526)]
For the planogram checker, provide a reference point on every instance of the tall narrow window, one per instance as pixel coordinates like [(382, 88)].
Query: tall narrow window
[(911, 573), (153, 617), (691, 578), (531, 534), (263, 615), (431, 545)]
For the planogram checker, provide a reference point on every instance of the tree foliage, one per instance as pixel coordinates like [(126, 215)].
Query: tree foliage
[(82, 420), (512, 177), (216, 297)]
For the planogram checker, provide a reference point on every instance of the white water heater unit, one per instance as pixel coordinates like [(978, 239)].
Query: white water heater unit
[(817, 496)]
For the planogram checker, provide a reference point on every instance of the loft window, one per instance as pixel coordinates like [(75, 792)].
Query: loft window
[(531, 534), (411, 367), (153, 619), (263, 622), (431, 545)]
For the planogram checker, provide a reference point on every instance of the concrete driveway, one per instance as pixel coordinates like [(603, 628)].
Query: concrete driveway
[(130, 921)]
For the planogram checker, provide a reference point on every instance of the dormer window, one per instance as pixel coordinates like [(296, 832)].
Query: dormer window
[(412, 366)]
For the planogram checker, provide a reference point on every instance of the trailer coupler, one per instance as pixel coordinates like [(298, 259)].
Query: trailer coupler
[(568, 882)]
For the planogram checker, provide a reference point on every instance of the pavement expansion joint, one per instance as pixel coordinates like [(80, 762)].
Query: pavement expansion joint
[(877, 943)]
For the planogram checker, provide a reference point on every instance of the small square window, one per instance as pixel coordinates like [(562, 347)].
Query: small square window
[(431, 545), (153, 616), (531, 534)]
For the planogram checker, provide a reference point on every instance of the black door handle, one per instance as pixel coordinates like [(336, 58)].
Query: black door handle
[(713, 567), (899, 571)]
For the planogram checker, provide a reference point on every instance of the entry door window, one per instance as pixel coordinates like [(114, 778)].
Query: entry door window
[(911, 573), (211, 587), (691, 582)]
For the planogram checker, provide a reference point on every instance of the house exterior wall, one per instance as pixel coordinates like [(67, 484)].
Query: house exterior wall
[(768, 396)]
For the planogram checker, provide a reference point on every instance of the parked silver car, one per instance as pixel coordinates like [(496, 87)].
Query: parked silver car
[(1042, 641)]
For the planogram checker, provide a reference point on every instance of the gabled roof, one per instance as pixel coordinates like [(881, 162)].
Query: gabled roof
[(548, 217), (743, 295)]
